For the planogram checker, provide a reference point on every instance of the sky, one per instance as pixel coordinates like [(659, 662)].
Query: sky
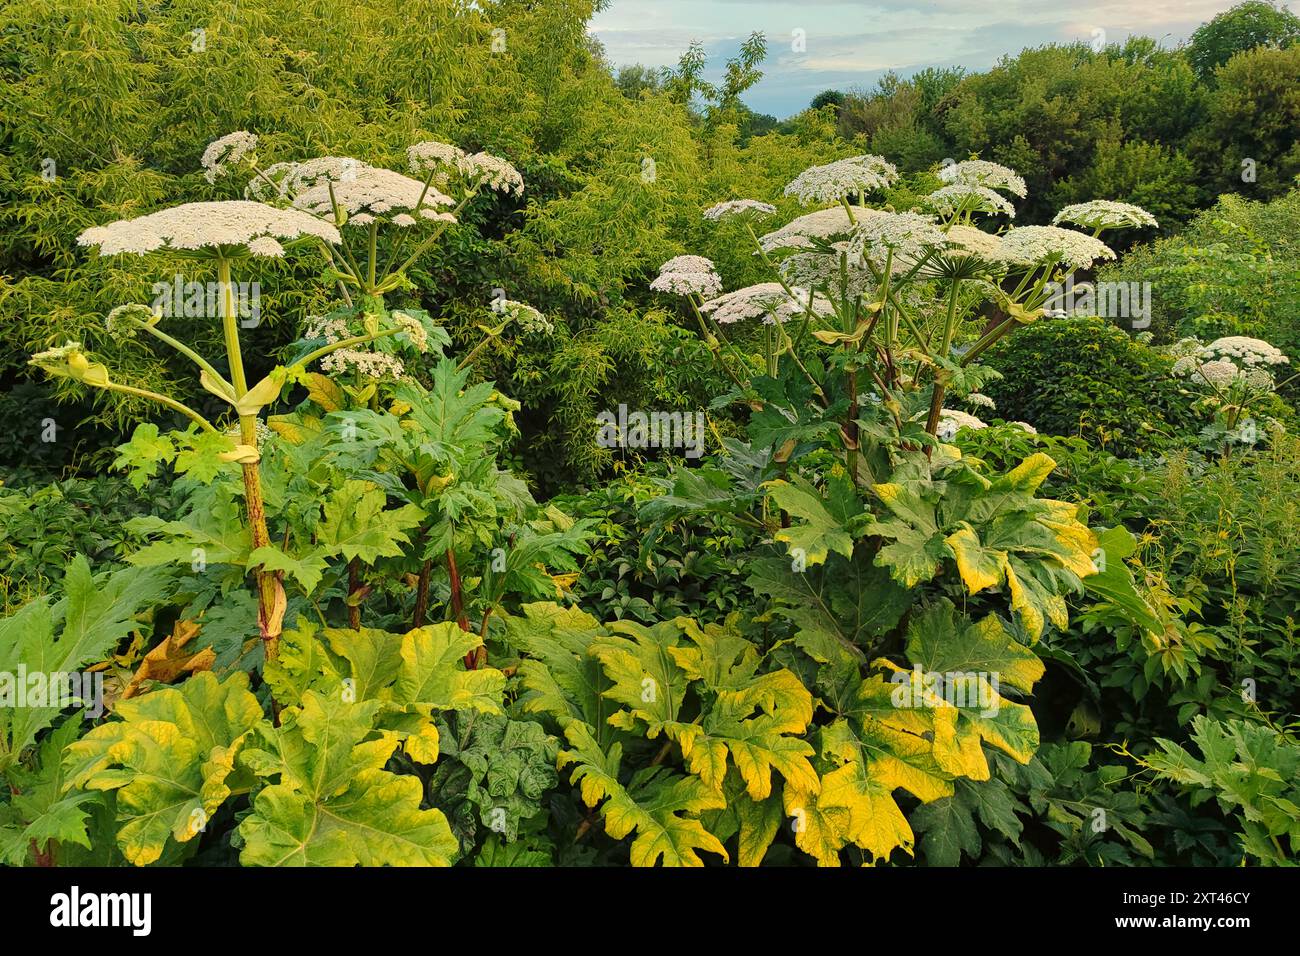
[(815, 45)]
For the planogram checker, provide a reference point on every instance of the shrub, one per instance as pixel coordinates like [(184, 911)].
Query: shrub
[(1084, 376), (1235, 270), (43, 526)]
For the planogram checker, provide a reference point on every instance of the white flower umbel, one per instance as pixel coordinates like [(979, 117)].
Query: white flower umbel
[(363, 360), (1102, 214), (376, 193), (979, 172), (414, 331), (1031, 245), (1220, 373), (969, 241), (951, 421), (60, 353), (529, 319), (371, 364), (118, 321), (842, 179), (442, 159), (1256, 379), (980, 400), (297, 178), (763, 300), (1105, 213), (492, 172), (907, 235), (736, 207), (271, 184), (688, 275), (230, 227), (963, 198), (226, 151), (266, 247), (828, 224), (1246, 350)]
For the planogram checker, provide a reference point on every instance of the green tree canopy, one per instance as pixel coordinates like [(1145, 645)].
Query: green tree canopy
[(1248, 25)]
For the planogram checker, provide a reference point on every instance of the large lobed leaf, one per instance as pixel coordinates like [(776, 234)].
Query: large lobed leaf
[(170, 756), (94, 614), (331, 802)]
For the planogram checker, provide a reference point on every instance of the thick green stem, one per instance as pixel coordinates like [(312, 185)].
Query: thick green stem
[(354, 591), (851, 416), (713, 344), (372, 264), (989, 339), (271, 598), (473, 353), (945, 343)]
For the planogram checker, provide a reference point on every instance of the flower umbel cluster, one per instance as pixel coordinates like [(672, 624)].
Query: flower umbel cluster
[(907, 235), (819, 270), (979, 172), (1032, 245), (118, 321), (827, 224), (492, 172), (688, 275), (767, 299), (1102, 214), (375, 193), (735, 207), (442, 159), (529, 319), (206, 225), (414, 331), (969, 241), (1242, 348), (842, 179), (226, 151), (1234, 360), (952, 420), (964, 198), (366, 361)]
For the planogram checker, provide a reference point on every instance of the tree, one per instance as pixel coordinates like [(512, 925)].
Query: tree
[(1160, 180), (636, 79), (827, 98), (1248, 25), (1248, 143)]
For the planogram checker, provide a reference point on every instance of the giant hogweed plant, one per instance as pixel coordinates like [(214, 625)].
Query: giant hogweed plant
[(1234, 373), (436, 450), (290, 206), (879, 301), (915, 583), (312, 770)]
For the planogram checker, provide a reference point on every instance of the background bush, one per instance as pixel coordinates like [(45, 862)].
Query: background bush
[(1085, 377)]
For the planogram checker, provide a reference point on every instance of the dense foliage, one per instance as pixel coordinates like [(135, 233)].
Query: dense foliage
[(1085, 376)]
